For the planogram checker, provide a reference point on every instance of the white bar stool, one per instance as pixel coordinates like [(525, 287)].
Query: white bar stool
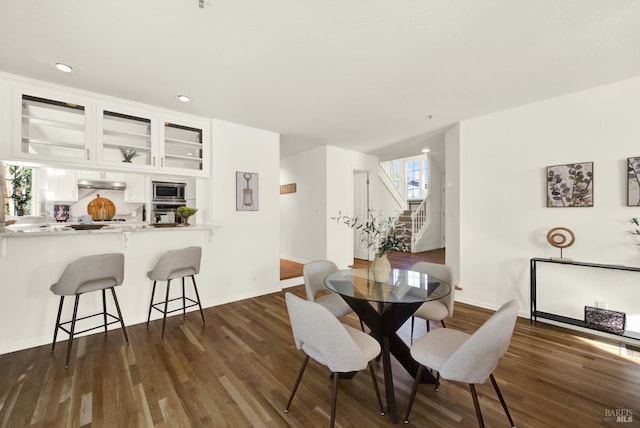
[(176, 264), (91, 273)]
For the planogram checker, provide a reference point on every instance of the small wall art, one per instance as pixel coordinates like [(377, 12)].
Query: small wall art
[(570, 185), (246, 191), (633, 182), (287, 188)]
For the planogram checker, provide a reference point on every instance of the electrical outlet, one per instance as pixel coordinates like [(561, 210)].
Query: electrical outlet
[(601, 305)]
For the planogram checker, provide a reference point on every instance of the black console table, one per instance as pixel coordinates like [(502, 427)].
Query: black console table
[(535, 314)]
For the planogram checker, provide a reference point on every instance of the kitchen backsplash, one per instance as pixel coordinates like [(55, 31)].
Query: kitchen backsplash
[(130, 212)]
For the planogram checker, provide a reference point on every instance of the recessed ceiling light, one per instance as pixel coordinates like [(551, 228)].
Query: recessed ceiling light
[(65, 68), (426, 150), (184, 98)]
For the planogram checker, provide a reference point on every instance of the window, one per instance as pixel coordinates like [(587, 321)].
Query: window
[(18, 187), (413, 180)]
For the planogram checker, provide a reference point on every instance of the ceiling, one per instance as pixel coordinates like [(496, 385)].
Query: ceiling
[(377, 76)]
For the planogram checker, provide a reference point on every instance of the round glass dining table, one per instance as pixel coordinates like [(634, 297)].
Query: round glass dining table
[(394, 301)]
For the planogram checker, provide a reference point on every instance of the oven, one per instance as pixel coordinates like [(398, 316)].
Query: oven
[(167, 197)]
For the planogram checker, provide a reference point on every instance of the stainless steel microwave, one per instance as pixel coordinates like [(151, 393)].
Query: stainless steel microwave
[(168, 191)]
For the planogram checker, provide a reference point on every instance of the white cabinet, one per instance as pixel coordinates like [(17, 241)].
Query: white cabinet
[(136, 191), (101, 176), (127, 138), (51, 126), (69, 128), (185, 145), (62, 185)]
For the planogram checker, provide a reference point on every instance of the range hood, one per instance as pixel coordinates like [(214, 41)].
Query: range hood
[(95, 184)]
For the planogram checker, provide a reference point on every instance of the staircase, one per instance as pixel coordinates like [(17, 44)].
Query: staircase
[(404, 226)]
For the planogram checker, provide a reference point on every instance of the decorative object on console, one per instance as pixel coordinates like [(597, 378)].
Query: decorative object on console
[(561, 237), (186, 212), (246, 191), (381, 233), (570, 185), (633, 182), (604, 320), (128, 153)]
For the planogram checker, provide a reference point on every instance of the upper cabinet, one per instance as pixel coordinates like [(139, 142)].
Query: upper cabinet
[(51, 128), (182, 146), (126, 138), (60, 128)]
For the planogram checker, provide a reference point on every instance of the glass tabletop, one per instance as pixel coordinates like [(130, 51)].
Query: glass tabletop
[(403, 286)]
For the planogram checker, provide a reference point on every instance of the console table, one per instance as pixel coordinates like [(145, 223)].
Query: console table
[(535, 314)]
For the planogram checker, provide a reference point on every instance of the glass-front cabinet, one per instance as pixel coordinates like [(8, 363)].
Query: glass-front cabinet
[(74, 128), (182, 148), (52, 128), (125, 138)]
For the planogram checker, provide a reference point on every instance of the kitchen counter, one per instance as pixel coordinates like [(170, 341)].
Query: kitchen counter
[(59, 229), (31, 261)]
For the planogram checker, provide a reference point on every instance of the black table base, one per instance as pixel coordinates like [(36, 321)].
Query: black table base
[(384, 324)]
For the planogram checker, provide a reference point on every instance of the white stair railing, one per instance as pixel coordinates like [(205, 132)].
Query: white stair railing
[(393, 190), (420, 221)]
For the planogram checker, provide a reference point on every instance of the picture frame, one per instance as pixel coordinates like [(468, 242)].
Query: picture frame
[(633, 181), (570, 185), (247, 196)]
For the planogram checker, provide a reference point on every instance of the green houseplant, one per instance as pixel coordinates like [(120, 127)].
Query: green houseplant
[(380, 233), (128, 154)]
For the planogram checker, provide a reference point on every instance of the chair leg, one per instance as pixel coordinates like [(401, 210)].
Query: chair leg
[(476, 404), (153, 293), (412, 320), (375, 386), (166, 307), (428, 326), (442, 322), (104, 310), (184, 301), (195, 288), (437, 381), (124, 329), (334, 399), (504, 404), (55, 331), (413, 392), (73, 326), (295, 386)]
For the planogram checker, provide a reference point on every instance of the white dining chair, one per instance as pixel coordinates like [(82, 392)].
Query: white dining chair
[(343, 349), (314, 274), (461, 357), (435, 310)]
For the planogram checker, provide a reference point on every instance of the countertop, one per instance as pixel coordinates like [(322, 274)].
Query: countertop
[(61, 229)]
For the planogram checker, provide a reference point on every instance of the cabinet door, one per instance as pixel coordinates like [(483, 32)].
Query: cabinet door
[(50, 127), (126, 138), (101, 176), (136, 191), (185, 146), (62, 185)]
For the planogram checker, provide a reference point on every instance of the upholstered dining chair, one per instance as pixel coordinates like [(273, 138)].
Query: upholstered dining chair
[(341, 348), (461, 357), (314, 274), (435, 310)]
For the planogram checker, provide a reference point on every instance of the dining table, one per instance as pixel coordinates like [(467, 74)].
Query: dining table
[(384, 306)]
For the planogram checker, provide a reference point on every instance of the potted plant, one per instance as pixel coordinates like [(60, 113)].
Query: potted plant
[(128, 153), (379, 233)]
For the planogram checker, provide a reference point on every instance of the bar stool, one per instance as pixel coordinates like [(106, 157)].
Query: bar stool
[(176, 264), (91, 273)]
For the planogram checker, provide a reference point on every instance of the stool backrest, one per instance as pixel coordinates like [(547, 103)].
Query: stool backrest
[(91, 273), (177, 263)]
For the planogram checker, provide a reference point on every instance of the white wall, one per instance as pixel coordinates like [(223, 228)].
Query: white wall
[(503, 218), (246, 256), (303, 214)]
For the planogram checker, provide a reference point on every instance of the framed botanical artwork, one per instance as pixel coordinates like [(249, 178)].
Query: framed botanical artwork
[(570, 185), (633, 182), (246, 191)]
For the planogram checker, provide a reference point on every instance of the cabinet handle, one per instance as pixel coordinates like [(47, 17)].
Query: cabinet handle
[(88, 154), (153, 161), (161, 161)]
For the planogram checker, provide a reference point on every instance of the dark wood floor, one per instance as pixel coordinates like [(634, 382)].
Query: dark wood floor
[(237, 371)]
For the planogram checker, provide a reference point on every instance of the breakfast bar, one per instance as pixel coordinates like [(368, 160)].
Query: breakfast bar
[(30, 261)]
